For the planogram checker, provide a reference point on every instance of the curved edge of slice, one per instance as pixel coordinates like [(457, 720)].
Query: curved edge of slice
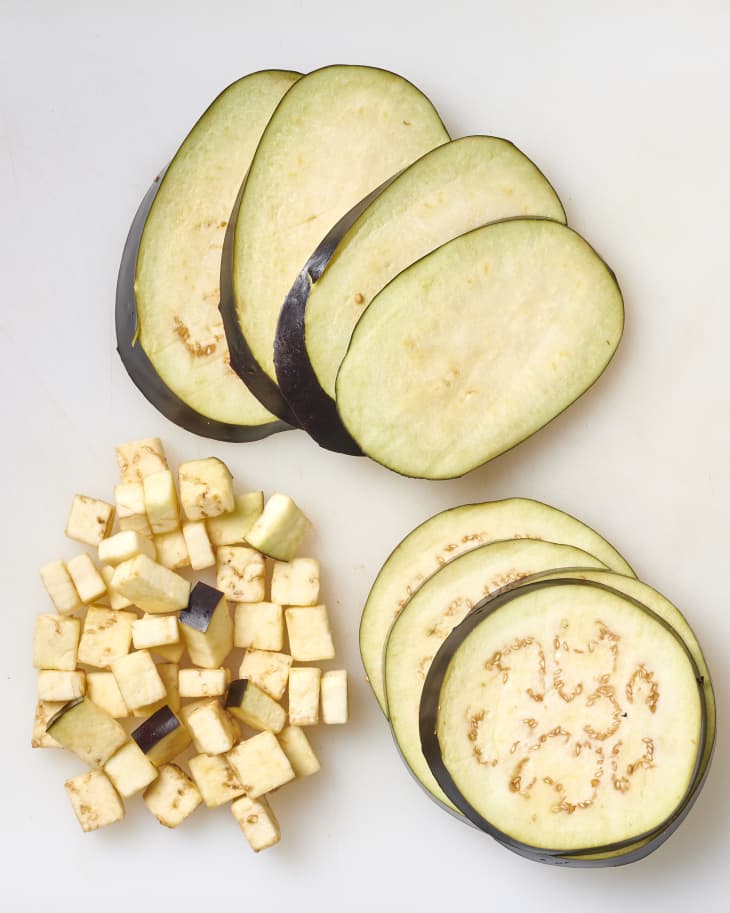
[(141, 370), (444, 536)]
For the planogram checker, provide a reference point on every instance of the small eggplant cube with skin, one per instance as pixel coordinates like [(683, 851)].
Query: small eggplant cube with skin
[(206, 488), (304, 684), (116, 600), (153, 631), (123, 546), (300, 753), (259, 625), (94, 800), (162, 737), (207, 627), (216, 779), (213, 731), (280, 529), (257, 821), (169, 672), (107, 636), (151, 586), (295, 582), (131, 512), (198, 545), (267, 670), (241, 573), (138, 459), (160, 501), (103, 690), (86, 578), (172, 550), (88, 731), (61, 686), (56, 642), (254, 707), (310, 637), (60, 587), (203, 682), (89, 520), (231, 528), (172, 797), (130, 770), (260, 764), (334, 697), (44, 711), (138, 680)]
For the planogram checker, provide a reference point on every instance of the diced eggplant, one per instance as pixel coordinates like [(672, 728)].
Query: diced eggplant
[(88, 731), (56, 642), (260, 764), (130, 770), (280, 529), (151, 586), (335, 709), (299, 752), (207, 626), (169, 332), (231, 528), (257, 821), (444, 537), (162, 737), (212, 729), (173, 796), (94, 800), (216, 779), (139, 459), (254, 707)]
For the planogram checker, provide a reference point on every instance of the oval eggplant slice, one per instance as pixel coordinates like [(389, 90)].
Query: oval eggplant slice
[(428, 618), (336, 136), (169, 331), (450, 190), (444, 537), (477, 346), (565, 719)]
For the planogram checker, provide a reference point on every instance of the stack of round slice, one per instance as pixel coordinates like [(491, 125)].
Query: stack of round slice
[(535, 687)]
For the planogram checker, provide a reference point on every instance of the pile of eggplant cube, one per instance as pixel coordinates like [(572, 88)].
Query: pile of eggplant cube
[(114, 650)]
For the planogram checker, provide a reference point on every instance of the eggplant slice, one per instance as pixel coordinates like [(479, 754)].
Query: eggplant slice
[(568, 721), (444, 537), (451, 190), (477, 346), (169, 330), (336, 136)]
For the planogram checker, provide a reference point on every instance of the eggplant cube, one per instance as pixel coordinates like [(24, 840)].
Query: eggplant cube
[(116, 600), (267, 670), (138, 680), (103, 690), (94, 800), (259, 625), (334, 696), (160, 501), (231, 528), (304, 695), (216, 779), (88, 581), (295, 582), (169, 673), (241, 573), (56, 642), (206, 488), (172, 550), (61, 686), (198, 545), (203, 682), (171, 653), (123, 546), (155, 631), (88, 731), (213, 731), (310, 637), (172, 797), (59, 586), (257, 821), (254, 707), (300, 753), (260, 764), (162, 736), (138, 459), (280, 529), (130, 770), (44, 711), (131, 512), (151, 586), (89, 520), (107, 636), (207, 627)]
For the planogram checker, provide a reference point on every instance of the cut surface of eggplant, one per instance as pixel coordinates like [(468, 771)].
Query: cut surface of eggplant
[(169, 330), (477, 346), (445, 536), (563, 717), (428, 618), (337, 134)]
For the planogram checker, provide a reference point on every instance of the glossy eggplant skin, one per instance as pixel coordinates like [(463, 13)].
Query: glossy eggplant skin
[(204, 600), (155, 728), (620, 853), (141, 369)]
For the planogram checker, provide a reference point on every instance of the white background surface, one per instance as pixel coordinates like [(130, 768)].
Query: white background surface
[(626, 108)]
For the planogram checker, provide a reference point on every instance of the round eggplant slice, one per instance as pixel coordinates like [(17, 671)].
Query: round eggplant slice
[(434, 611), (336, 135), (444, 537), (169, 331), (566, 720), (477, 346)]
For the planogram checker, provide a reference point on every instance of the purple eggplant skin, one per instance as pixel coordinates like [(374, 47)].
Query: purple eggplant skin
[(203, 602), (140, 368), (618, 853), (59, 713), (236, 690), (155, 728)]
